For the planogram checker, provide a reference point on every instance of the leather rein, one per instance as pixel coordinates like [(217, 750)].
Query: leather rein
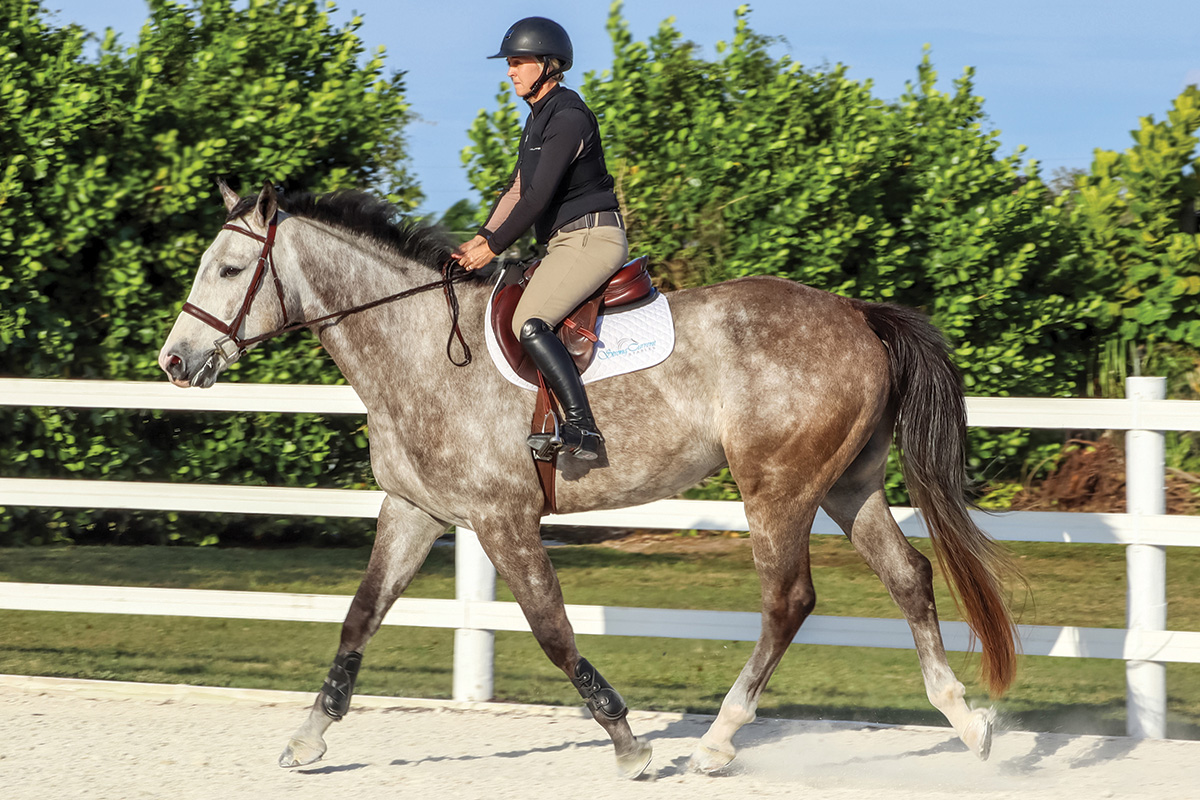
[(232, 345)]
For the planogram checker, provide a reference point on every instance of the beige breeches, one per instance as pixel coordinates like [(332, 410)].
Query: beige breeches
[(575, 266)]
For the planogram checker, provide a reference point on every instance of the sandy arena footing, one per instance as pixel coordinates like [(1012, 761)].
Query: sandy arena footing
[(97, 739)]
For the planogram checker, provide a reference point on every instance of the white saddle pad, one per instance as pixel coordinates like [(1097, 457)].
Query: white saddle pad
[(630, 339)]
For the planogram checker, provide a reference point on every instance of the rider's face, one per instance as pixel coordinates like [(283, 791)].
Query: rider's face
[(524, 72)]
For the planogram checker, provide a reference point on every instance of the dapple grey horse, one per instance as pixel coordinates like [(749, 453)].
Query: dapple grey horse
[(797, 391)]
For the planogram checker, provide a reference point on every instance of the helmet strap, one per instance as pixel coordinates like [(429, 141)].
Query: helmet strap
[(537, 85)]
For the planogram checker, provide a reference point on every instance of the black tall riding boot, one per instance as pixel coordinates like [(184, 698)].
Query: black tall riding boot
[(578, 430)]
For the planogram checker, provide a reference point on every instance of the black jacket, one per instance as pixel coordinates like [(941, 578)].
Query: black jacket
[(560, 162)]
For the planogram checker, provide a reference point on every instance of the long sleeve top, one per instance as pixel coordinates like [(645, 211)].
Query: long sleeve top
[(560, 173)]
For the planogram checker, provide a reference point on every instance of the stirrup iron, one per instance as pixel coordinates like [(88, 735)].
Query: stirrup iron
[(579, 442), (545, 445)]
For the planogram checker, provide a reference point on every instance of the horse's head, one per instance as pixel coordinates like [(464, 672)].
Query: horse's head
[(221, 319)]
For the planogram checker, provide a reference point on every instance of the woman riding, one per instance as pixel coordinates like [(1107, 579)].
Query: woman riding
[(561, 187)]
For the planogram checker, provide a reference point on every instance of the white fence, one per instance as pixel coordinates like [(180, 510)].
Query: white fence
[(1144, 644)]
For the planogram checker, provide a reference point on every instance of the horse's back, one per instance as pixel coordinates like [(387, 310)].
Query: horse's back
[(780, 338), (762, 366)]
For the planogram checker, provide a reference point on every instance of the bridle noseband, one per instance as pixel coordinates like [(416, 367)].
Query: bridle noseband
[(232, 345)]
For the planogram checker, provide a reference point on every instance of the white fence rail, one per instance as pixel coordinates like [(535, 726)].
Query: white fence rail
[(1144, 644)]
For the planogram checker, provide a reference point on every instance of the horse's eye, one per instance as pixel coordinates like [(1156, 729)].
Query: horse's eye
[(230, 272)]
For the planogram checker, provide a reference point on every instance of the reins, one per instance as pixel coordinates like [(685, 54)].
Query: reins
[(266, 262)]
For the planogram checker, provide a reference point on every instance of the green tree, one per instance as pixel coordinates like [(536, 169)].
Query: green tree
[(461, 219), (107, 201), (1128, 210)]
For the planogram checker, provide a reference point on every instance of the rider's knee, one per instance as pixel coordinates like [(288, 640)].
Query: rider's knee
[(531, 328)]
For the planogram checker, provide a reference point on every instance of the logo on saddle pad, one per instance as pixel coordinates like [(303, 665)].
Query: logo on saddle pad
[(624, 347)]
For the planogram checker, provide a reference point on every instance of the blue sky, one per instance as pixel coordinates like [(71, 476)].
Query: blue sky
[(1061, 77)]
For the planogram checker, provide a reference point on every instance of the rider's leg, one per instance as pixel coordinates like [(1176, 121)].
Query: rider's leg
[(578, 429), (576, 265)]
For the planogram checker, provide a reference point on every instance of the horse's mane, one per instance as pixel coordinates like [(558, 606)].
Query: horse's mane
[(364, 214)]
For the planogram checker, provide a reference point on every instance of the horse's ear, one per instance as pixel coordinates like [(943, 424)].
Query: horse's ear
[(228, 195), (266, 205)]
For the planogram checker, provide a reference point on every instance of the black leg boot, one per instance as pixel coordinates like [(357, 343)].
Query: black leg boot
[(578, 430)]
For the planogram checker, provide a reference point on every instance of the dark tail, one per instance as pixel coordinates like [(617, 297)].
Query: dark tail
[(931, 433)]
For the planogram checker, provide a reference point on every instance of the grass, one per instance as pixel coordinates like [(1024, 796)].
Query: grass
[(1071, 585)]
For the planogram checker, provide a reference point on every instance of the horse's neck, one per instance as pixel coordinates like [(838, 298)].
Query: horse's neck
[(401, 343)]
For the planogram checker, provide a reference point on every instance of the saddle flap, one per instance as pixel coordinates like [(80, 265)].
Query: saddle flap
[(503, 306)]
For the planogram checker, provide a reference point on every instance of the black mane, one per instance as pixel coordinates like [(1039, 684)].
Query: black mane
[(366, 215)]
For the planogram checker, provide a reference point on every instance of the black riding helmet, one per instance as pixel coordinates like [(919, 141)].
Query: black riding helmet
[(541, 37), (537, 36)]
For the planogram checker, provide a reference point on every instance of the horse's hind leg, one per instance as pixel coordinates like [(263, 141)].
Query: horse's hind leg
[(780, 530), (402, 541), (858, 505), (521, 560)]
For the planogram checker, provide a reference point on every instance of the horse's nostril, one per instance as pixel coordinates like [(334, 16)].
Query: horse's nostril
[(175, 366)]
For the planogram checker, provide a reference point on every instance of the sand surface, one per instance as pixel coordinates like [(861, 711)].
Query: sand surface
[(90, 739)]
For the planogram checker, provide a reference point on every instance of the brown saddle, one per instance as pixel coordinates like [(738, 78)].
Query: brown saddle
[(630, 284)]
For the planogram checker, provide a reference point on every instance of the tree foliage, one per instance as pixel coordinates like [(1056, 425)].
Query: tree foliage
[(107, 201), (1128, 210)]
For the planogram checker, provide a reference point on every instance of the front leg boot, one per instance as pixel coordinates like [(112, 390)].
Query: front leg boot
[(339, 685), (602, 699)]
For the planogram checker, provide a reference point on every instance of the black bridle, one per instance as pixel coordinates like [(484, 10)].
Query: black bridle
[(232, 345)]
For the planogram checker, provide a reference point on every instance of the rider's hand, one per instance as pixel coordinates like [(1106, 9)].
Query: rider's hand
[(474, 254)]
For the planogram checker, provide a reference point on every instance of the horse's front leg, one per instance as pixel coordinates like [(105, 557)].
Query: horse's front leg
[(522, 561), (402, 541)]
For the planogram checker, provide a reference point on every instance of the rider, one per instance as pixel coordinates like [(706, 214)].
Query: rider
[(561, 187)]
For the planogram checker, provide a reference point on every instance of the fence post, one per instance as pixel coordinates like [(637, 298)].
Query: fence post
[(474, 650), (1146, 568)]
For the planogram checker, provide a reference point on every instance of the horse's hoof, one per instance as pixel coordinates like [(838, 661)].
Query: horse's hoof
[(298, 753), (632, 765), (709, 760), (978, 733)]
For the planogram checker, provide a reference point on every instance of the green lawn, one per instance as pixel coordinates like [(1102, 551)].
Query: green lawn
[(1071, 585)]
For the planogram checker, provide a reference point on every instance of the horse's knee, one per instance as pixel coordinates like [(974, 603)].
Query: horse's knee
[(788, 610), (915, 577), (805, 601)]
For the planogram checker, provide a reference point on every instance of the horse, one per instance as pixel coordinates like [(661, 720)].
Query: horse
[(797, 391)]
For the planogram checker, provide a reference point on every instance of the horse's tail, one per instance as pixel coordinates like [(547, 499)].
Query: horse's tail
[(931, 433)]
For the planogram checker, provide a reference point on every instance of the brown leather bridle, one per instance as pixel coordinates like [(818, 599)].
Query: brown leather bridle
[(232, 345)]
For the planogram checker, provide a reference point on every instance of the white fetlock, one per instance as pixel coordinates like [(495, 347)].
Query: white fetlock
[(707, 759), (977, 733), (300, 752), (632, 765)]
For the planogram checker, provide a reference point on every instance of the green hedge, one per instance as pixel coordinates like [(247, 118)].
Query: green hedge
[(108, 199)]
